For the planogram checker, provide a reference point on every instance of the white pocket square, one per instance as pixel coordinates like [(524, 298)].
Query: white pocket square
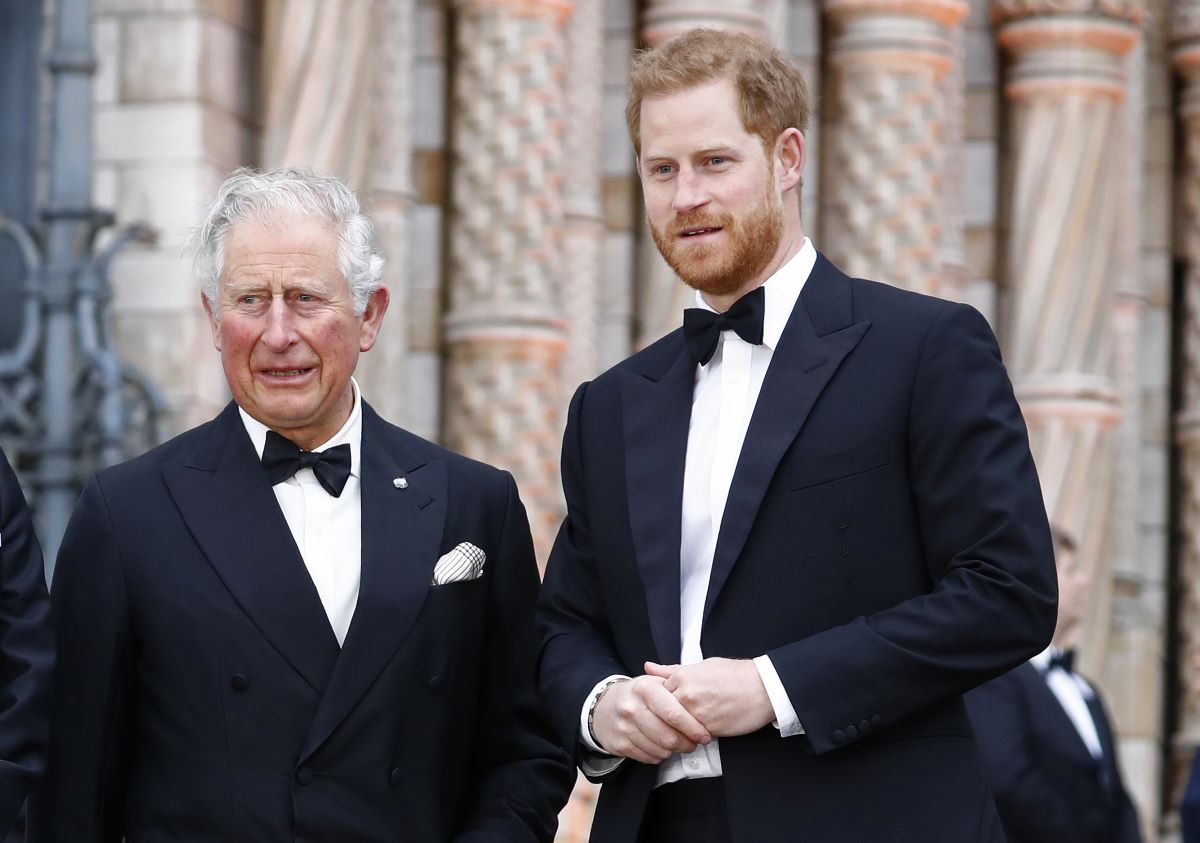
[(463, 563)]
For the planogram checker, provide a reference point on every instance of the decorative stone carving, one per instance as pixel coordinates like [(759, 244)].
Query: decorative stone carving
[(885, 213), (953, 275), (665, 18), (1186, 30), (504, 332), (584, 234), (1063, 255)]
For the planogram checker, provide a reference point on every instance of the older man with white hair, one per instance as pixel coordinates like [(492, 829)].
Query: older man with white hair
[(297, 622)]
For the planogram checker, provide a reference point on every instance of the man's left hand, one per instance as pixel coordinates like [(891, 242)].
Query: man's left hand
[(726, 695)]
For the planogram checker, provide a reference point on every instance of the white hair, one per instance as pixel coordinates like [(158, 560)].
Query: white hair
[(289, 191)]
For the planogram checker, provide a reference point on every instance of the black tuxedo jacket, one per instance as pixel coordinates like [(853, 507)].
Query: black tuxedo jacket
[(26, 650), (1047, 786), (202, 695), (884, 542)]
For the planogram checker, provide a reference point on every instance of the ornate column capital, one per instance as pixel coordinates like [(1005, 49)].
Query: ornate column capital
[(556, 11), (1127, 11), (1068, 46), (665, 19), (895, 31)]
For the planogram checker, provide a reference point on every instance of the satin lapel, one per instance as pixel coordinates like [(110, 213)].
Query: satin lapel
[(801, 366), (657, 409), (225, 499), (1100, 720), (401, 537)]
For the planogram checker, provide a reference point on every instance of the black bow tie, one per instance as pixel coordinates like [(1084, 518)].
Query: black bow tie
[(1064, 659), (282, 458), (702, 328)]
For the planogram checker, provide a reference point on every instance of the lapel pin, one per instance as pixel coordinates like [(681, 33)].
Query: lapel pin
[(400, 483)]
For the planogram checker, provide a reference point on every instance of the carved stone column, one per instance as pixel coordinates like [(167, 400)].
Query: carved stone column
[(953, 277), (504, 332), (584, 235), (885, 214), (663, 19), (1063, 255), (1186, 32), (662, 297)]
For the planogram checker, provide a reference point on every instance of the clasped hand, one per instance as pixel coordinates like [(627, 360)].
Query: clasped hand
[(674, 708)]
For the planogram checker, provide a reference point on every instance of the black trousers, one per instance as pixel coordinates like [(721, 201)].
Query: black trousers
[(687, 811)]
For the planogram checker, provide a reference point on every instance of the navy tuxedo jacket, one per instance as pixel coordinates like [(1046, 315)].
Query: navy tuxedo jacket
[(884, 542), (1047, 786), (26, 650), (202, 695)]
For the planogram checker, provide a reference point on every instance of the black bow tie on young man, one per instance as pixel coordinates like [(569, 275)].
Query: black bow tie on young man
[(282, 458), (702, 328), (1062, 658)]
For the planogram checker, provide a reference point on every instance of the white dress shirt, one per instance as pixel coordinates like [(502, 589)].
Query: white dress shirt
[(327, 530), (723, 400), (1072, 693)]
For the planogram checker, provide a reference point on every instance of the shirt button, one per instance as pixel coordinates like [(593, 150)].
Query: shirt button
[(693, 765)]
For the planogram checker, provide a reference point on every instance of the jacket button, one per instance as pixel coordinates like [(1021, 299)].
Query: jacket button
[(851, 732), (239, 682), (394, 776), (435, 684), (839, 736), (304, 775), (864, 727), (876, 719)]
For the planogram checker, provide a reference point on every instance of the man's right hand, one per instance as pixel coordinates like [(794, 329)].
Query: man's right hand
[(642, 720)]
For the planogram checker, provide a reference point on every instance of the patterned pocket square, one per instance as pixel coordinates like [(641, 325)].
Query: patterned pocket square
[(463, 563)]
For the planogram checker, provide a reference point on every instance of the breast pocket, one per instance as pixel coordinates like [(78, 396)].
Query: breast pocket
[(847, 463), (455, 615)]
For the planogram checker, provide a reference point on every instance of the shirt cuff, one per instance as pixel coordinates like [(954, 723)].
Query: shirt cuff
[(786, 720), (585, 734)]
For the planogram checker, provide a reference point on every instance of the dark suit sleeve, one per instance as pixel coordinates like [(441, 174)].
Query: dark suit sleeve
[(576, 653), (522, 777), (1032, 805), (26, 650), (988, 556), (82, 794)]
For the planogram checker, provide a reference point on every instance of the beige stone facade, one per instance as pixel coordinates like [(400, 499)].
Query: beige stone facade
[(1039, 159)]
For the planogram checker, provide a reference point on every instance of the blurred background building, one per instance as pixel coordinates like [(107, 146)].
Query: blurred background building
[(1039, 159)]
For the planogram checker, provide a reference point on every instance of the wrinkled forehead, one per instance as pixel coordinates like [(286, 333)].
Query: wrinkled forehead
[(300, 247)]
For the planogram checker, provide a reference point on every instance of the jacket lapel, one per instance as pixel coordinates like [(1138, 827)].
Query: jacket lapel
[(226, 500), (819, 335), (401, 537), (1050, 712), (657, 409)]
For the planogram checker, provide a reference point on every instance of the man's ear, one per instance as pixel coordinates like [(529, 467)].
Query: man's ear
[(790, 154), (372, 318), (214, 324)]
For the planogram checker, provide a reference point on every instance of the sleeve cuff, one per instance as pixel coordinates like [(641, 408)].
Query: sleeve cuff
[(585, 734), (786, 720)]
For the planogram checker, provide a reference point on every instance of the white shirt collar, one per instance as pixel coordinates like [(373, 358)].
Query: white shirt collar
[(350, 433), (1042, 660), (781, 291)]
